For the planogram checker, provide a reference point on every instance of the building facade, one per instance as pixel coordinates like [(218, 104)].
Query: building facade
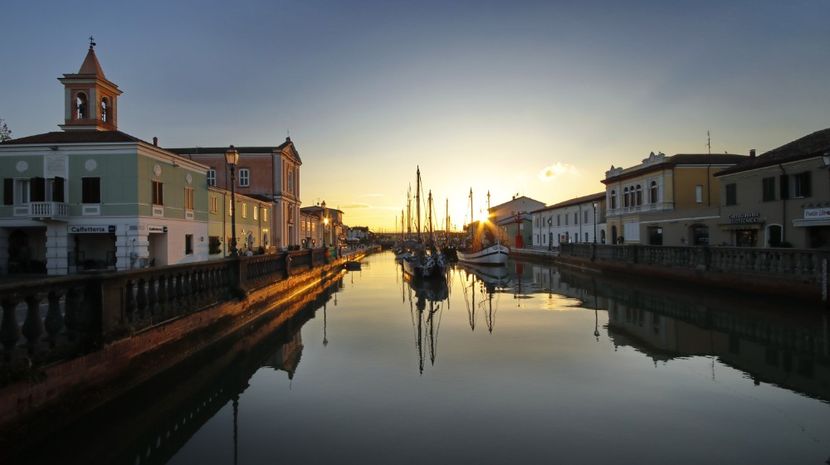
[(322, 226), (580, 220), (266, 173), (253, 223), (780, 198), (666, 200), (93, 197)]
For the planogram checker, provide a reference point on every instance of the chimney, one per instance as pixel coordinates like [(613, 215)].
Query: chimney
[(751, 153), (155, 141)]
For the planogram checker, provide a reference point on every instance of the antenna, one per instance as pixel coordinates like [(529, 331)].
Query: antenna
[(709, 142), (92, 43)]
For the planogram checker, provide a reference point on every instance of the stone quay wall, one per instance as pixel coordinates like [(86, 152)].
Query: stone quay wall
[(110, 332), (798, 273)]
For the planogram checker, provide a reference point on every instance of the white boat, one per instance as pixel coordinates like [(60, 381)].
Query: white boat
[(494, 255)]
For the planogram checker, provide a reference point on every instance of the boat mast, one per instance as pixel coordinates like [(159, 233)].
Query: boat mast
[(409, 212), (447, 221), (471, 206), (429, 214), (418, 202)]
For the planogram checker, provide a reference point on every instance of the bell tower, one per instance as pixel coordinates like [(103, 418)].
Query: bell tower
[(90, 100)]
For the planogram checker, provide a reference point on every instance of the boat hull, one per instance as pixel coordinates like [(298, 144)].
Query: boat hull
[(495, 255)]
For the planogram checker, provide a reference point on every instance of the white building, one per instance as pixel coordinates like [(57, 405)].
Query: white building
[(577, 220)]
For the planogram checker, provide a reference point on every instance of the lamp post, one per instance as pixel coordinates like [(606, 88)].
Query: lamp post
[(232, 158), (595, 205)]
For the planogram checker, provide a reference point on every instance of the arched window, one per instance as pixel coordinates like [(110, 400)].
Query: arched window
[(652, 194), (639, 195), (81, 106), (625, 198), (613, 199), (105, 109)]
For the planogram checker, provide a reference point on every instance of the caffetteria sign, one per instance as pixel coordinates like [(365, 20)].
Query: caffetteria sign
[(92, 229)]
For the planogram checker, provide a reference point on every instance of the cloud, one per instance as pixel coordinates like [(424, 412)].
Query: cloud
[(556, 170), (355, 205)]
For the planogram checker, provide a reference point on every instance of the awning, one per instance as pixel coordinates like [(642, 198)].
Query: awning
[(811, 223), (739, 226)]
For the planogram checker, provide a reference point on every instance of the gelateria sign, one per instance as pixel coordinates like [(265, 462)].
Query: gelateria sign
[(816, 213), (745, 218), (91, 229)]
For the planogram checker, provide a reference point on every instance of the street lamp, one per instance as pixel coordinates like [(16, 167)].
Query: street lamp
[(595, 205), (325, 232), (232, 158)]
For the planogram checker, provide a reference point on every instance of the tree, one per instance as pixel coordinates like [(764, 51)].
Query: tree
[(5, 132)]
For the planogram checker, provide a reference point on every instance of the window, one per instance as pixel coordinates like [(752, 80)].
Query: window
[(576, 217), (90, 190), (105, 110), (158, 193), (784, 187), (188, 244), (639, 195), (291, 180), (625, 197), (586, 237), (613, 199), (244, 210), (56, 189), (256, 212), (585, 219), (264, 214), (22, 189), (230, 207), (37, 192), (801, 185), (211, 177), (699, 193), (214, 204), (566, 219), (558, 220), (652, 192), (214, 245), (80, 106), (768, 187), (774, 235), (731, 194), (188, 198), (244, 177), (8, 191), (700, 234)]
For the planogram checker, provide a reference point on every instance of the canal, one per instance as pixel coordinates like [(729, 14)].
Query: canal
[(532, 365)]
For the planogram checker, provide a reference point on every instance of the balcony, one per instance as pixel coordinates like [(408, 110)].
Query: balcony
[(44, 211), (646, 207)]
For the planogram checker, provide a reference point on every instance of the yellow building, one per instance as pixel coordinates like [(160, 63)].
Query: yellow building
[(666, 200), (252, 224)]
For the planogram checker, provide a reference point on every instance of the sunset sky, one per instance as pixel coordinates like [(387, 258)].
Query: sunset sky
[(530, 98)]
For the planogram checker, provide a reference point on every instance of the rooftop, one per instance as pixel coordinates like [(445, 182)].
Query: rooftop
[(660, 162), (575, 201), (812, 145)]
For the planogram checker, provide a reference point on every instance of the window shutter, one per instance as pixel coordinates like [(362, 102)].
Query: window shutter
[(8, 191), (57, 189)]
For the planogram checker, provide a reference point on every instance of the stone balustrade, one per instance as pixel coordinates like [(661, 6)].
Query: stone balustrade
[(59, 318), (786, 264)]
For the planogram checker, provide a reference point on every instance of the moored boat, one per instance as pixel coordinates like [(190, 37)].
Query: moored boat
[(494, 255)]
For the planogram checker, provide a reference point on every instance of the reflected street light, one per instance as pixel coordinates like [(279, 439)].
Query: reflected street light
[(232, 158)]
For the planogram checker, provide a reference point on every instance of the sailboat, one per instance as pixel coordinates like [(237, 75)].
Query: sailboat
[(485, 248), (424, 261)]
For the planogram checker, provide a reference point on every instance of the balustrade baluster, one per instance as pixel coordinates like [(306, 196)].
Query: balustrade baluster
[(152, 296), (54, 319), (180, 299), (72, 308), (9, 329), (129, 300), (162, 295), (141, 298), (33, 326)]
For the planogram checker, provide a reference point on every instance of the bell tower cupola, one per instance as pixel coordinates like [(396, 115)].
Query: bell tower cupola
[(90, 100)]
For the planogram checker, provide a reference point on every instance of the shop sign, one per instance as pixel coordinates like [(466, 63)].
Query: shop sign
[(157, 229), (815, 213), (745, 218), (92, 229)]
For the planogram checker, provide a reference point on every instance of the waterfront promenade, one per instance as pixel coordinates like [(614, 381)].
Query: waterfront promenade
[(797, 273), (82, 340)]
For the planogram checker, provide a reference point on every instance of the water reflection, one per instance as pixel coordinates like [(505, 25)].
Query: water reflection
[(575, 356)]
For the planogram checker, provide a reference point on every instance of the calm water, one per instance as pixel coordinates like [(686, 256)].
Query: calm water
[(538, 365)]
